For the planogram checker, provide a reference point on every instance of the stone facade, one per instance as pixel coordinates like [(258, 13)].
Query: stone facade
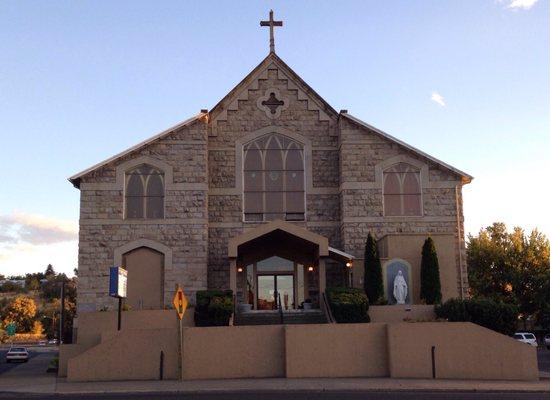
[(202, 161)]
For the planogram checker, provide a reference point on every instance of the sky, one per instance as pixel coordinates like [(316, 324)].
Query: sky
[(466, 81)]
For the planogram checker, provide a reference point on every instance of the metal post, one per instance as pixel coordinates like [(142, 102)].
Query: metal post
[(119, 312), (433, 362), (161, 365), (62, 314), (181, 350)]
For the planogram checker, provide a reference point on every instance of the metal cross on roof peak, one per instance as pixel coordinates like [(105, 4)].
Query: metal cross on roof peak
[(271, 23)]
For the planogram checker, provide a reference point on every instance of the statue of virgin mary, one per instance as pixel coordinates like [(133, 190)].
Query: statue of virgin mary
[(400, 288)]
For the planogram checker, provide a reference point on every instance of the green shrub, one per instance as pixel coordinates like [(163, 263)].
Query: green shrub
[(374, 287), (348, 305), (498, 316), (214, 307), (430, 284)]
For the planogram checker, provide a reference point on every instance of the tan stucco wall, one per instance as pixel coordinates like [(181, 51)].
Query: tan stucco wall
[(91, 325), (401, 313), (462, 351), (336, 350), (399, 350), (409, 248), (66, 352), (234, 352), (130, 355)]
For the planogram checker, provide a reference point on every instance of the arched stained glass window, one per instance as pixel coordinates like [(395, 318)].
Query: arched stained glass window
[(274, 179), (402, 190), (144, 193)]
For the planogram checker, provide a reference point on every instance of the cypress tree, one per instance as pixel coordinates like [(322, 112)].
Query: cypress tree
[(430, 284), (374, 287)]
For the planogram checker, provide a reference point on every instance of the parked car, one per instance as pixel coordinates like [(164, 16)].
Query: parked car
[(17, 354), (52, 341), (526, 337), (547, 341), (42, 343)]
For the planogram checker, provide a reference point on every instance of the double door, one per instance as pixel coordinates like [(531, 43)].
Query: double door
[(272, 287)]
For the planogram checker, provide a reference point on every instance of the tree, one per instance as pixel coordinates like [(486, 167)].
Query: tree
[(512, 267), (374, 287), (21, 311), (49, 271), (37, 328), (430, 284), (34, 284)]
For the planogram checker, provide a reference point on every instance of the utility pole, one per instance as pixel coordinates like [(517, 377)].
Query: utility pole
[(62, 313)]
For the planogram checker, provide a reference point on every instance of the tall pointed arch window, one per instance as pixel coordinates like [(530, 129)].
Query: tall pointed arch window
[(144, 193), (274, 179), (402, 190)]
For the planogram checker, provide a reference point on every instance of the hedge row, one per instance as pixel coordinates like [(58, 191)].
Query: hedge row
[(498, 316), (348, 305), (214, 307)]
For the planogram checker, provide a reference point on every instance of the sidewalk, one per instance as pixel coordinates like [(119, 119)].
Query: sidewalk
[(271, 385)]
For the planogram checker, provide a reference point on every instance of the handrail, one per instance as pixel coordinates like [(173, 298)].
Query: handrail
[(234, 315), (328, 310), (280, 308)]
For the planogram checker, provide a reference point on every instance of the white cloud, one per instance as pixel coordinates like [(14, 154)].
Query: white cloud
[(29, 242), (437, 98), (19, 227), (523, 4), (24, 258)]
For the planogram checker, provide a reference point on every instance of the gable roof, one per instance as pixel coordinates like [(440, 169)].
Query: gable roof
[(271, 58), (233, 95), (75, 179), (466, 178)]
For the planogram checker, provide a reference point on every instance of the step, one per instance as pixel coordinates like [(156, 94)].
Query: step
[(274, 318)]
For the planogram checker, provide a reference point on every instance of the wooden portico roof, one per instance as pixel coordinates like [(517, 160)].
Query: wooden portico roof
[(265, 229), (300, 234)]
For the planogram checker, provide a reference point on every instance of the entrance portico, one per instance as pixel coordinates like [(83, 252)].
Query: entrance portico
[(279, 265)]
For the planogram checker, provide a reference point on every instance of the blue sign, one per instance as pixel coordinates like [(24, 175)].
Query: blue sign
[(118, 278)]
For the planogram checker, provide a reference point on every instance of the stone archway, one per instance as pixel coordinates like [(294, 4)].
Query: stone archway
[(145, 268), (146, 262)]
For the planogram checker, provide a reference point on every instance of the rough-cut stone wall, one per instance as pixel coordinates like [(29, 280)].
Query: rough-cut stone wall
[(184, 228), (361, 151), (225, 200), (203, 203)]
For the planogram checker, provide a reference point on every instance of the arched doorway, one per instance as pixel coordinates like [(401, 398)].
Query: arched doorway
[(145, 268)]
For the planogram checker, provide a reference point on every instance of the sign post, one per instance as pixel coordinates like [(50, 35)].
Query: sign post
[(118, 287), (180, 303)]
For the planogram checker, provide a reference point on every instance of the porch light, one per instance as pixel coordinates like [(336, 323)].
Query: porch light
[(310, 268), (240, 269), (349, 264)]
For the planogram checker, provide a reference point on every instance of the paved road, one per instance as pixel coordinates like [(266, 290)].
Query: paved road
[(308, 396), (17, 376), (4, 366), (39, 358)]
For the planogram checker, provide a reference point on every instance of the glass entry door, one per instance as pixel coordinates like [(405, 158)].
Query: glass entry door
[(269, 289)]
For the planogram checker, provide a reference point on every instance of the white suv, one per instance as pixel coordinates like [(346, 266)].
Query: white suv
[(526, 337)]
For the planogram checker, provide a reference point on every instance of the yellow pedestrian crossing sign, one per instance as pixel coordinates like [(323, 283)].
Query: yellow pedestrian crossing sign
[(180, 302)]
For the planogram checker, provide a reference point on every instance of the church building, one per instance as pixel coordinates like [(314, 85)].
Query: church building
[(270, 193)]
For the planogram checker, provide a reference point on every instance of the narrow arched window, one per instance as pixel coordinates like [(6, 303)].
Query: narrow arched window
[(274, 179), (402, 190), (144, 193)]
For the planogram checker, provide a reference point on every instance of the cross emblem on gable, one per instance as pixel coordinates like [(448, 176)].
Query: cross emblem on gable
[(272, 103), (272, 24)]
